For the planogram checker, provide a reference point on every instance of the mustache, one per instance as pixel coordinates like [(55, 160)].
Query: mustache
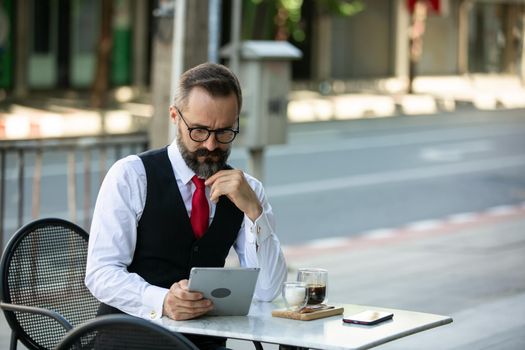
[(203, 152)]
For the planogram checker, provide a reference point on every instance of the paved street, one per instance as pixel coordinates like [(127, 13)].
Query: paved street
[(354, 176)]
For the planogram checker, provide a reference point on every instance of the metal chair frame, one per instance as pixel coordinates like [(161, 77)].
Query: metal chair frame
[(39, 307), (72, 339)]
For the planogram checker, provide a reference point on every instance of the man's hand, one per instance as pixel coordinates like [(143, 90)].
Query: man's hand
[(181, 304), (232, 184)]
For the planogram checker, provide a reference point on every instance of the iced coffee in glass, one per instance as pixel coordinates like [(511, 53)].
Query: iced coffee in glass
[(316, 280)]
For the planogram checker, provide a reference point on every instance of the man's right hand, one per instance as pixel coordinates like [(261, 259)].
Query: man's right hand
[(181, 304)]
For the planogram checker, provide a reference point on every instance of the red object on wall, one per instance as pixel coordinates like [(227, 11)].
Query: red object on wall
[(435, 5)]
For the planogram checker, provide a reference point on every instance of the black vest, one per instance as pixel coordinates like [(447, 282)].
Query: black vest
[(166, 247)]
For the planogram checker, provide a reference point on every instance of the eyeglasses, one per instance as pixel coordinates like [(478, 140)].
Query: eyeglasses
[(200, 134)]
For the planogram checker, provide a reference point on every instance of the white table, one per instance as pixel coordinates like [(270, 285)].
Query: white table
[(326, 333)]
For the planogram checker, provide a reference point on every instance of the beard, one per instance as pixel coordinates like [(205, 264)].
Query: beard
[(214, 160)]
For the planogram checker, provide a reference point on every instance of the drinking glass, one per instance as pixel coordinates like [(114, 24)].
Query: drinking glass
[(316, 280), (295, 295)]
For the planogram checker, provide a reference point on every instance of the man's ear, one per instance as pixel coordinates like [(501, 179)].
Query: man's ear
[(173, 114)]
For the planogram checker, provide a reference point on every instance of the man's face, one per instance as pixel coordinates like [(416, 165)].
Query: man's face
[(204, 111)]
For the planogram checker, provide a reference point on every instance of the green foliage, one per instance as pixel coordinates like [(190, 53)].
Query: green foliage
[(342, 7), (282, 19)]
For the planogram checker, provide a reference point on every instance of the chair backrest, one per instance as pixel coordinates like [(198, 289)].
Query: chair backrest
[(43, 265), (124, 332)]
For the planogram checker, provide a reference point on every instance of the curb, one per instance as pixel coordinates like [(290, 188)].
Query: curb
[(380, 237), (309, 106), (382, 97)]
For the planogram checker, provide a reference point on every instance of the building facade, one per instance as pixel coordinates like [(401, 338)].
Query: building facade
[(53, 44)]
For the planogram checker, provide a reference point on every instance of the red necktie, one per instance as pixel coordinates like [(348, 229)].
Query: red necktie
[(200, 211)]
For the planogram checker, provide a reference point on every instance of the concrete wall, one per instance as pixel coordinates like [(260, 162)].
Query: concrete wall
[(440, 46), (362, 45)]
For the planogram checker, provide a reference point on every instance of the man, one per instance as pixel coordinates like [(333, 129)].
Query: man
[(148, 229)]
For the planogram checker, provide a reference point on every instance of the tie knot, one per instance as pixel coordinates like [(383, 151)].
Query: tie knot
[(199, 183)]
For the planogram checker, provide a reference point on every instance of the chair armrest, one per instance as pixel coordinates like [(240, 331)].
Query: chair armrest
[(38, 311)]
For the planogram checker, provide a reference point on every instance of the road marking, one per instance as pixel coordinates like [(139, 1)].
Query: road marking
[(427, 172), (327, 242), (424, 225), (462, 218), (379, 233), (501, 210), (454, 152)]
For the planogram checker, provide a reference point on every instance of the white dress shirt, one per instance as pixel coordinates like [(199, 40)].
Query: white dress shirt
[(113, 237)]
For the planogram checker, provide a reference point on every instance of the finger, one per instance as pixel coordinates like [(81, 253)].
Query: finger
[(174, 305), (189, 296), (230, 186), (180, 315), (234, 173), (217, 189), (192, 306), (209, 181), (180, 291), (187, 311), (183, 284)]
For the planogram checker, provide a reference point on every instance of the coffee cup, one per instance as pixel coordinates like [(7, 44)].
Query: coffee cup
[(295, 295), (316, 281)]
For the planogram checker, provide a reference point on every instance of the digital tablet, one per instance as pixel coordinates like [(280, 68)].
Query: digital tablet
[(230, 289)]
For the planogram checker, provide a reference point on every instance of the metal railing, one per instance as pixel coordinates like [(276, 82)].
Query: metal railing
[(73, 158)]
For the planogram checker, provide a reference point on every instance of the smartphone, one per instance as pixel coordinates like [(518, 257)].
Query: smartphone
[(369, 317)]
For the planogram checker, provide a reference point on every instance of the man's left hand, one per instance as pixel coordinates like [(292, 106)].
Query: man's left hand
[(233, 184)]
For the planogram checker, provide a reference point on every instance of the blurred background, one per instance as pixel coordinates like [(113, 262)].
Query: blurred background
[(389, 134)]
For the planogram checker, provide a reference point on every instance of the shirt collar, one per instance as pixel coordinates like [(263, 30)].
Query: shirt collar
[(180, 169)]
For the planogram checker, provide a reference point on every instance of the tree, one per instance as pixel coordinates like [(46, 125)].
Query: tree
[(281, 19), (101, 81)]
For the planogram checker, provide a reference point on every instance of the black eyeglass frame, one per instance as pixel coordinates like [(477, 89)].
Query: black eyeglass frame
[(209, 131)]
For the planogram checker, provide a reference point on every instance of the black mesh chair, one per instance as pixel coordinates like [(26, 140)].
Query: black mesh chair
[(123, 332), (43, 293)]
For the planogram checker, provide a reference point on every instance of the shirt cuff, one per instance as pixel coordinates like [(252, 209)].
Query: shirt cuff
[(153, 302), (260, 229)]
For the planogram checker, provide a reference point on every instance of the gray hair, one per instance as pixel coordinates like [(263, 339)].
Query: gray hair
[(216, 79)]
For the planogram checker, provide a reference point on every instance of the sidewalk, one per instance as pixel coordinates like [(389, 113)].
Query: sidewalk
[(48, 115), (386, 97), (470, 270)]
